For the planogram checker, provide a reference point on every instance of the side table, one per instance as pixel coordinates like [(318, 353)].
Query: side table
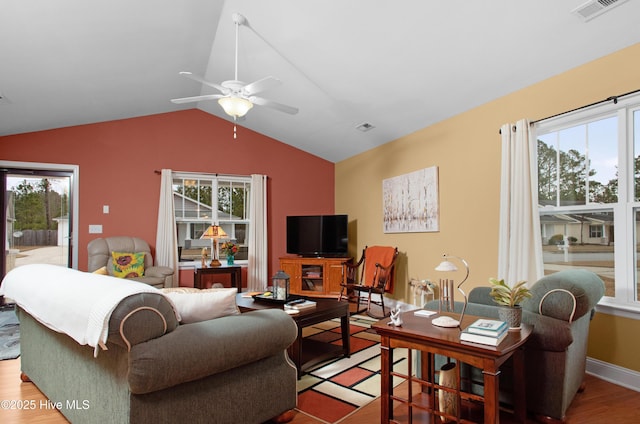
[(418, 333), (234, 270)]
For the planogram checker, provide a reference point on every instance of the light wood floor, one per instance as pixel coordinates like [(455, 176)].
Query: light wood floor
[(600, 402)]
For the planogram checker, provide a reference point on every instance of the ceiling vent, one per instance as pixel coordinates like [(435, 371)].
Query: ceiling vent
[(364, 127), (595, 8)]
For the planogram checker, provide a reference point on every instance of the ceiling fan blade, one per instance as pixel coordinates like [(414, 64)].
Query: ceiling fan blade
[(205, 82), (260, 85), (196, 98), (274, 105)]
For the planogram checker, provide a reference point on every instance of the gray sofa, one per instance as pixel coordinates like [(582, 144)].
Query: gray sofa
[(555, 354), (232, 369)]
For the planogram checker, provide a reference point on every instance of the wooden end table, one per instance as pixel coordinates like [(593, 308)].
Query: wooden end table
[(234, 270), (418, 333)]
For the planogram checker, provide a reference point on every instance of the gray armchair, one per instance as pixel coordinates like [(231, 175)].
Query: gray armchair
[(100, 249), (560, 310)]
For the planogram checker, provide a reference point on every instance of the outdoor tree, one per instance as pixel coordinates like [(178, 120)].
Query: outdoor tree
[(564, 175), (35, 205)]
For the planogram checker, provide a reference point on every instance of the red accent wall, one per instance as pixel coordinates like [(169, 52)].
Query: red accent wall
[(117, 160)]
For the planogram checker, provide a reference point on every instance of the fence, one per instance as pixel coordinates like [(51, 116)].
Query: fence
[(37, 238)]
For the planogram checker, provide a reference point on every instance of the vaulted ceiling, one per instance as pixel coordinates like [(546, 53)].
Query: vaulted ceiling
[(399, 66)]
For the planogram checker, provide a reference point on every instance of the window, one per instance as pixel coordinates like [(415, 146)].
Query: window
[(595, 231), (589, 195), (201, 200)]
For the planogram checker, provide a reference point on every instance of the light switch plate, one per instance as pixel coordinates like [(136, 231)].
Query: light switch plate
[(105, 209)]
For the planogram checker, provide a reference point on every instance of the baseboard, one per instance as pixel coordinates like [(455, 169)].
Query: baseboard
[(614, 374)]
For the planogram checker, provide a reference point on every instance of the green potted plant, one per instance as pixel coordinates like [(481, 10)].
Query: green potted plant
[(509, 298)]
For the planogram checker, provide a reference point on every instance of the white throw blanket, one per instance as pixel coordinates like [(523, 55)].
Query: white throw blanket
[(68, 301)]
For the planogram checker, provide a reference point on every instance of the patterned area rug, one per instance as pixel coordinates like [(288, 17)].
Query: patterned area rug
[(335, 389), (9, 334)]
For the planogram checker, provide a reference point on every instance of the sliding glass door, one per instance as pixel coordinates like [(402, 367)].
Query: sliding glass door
[(37, 217)]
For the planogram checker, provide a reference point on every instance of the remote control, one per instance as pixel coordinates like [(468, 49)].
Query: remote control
[(296, 302)]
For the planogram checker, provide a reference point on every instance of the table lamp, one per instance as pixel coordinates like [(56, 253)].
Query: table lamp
[(214, 232), (446, 292)]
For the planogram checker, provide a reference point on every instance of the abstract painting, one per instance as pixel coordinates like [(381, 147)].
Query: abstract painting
[(410, 202)]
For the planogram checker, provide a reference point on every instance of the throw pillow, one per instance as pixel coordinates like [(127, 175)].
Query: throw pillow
[(101, 271), (128, 265), (204, 304)]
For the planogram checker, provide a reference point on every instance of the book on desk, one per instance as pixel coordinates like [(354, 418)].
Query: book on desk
[(488, 327)]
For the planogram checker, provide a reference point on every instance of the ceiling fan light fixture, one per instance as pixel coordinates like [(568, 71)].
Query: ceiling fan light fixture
[(235, 106)]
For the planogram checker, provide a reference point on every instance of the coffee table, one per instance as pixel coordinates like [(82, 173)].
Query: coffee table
[(418, 333), (304, 352)]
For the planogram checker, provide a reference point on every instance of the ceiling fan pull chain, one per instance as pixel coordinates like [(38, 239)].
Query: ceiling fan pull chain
[(235, 137)]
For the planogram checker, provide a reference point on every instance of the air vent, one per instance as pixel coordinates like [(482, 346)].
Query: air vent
[(365, 126), (595, 8)]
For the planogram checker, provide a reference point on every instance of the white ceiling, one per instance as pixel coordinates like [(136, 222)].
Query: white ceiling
[(399, 65)]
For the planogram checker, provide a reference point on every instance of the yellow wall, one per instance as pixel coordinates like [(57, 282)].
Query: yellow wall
[(466, 150)]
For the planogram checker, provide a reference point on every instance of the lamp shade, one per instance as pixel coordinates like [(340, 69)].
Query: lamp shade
[(235, 106), (446, 266), (214, 232)]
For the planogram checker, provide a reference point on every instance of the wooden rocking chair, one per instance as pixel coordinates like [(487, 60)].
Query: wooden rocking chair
[(372, 274)]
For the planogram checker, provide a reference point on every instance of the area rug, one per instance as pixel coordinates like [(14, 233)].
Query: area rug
[(336, 389), (9, 333)]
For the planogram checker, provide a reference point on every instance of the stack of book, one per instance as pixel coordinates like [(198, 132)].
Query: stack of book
[(485, 331)]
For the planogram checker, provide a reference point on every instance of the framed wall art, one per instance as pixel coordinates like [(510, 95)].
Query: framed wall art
[(410, 202)]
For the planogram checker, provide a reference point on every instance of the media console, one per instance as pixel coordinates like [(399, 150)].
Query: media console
[(314, 276)]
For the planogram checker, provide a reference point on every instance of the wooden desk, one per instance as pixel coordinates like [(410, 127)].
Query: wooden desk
[(234, 270), (418, 333)]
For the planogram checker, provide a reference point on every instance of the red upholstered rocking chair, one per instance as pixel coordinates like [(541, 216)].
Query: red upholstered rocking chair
[(373, 274)]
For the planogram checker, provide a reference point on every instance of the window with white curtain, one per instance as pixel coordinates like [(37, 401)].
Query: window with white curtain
[(202, 200), (589, 195)]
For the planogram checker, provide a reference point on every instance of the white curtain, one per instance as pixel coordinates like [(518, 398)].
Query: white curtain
[(520, 245), (166, 236), (258, 268)]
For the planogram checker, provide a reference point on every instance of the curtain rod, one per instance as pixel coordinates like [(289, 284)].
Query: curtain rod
[(612, 98), (158, 172), (608, 99)]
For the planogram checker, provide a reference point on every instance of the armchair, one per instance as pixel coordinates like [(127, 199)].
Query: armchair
[(372, 274), (560, 311), (100, 249)]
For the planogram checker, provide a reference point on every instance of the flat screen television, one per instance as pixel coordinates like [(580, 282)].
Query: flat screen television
[(317, 235)]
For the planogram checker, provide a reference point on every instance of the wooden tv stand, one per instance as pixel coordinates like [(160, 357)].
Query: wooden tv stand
[(314, 276)]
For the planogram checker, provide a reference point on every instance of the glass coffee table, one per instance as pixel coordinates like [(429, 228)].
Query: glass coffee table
[(303, 352)]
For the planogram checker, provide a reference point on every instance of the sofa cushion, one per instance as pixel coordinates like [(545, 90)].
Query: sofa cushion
[(195, 305), (214, 346), (101, 271), (128, 264)]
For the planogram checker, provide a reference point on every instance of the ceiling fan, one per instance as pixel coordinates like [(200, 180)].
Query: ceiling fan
[(237, 97)]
